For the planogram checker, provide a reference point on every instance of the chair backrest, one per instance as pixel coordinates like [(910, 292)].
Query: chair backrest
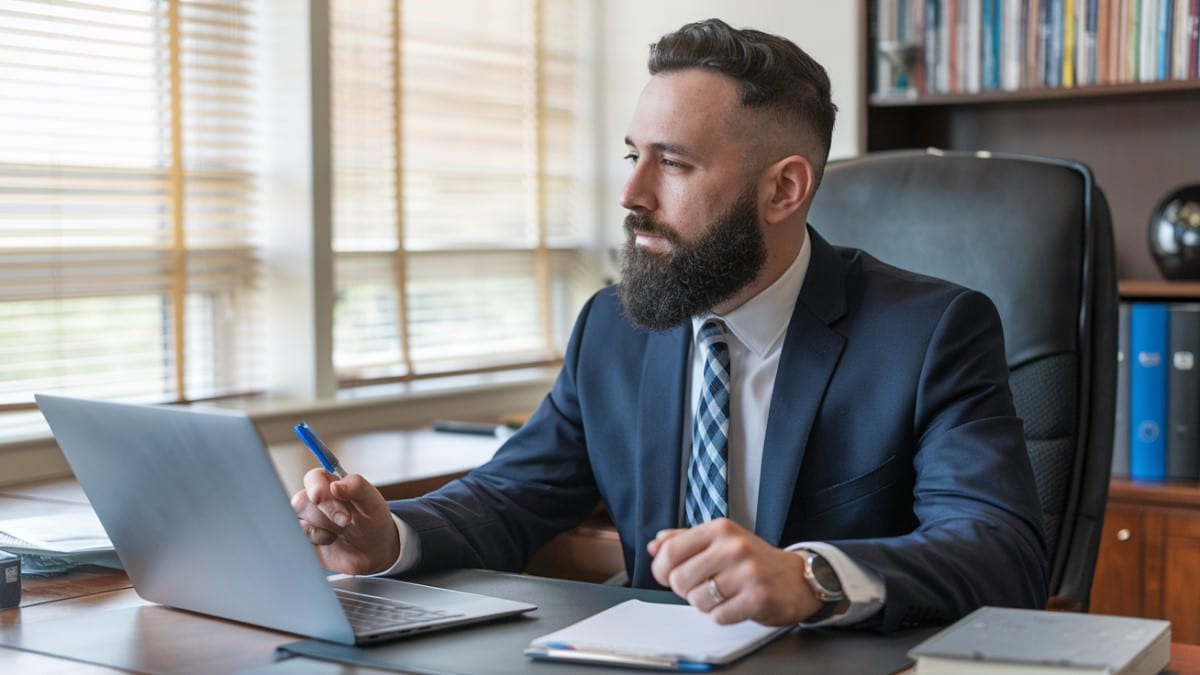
[(1035, 235)]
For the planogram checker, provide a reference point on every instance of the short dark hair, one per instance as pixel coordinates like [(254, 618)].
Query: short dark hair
[(773, 72)]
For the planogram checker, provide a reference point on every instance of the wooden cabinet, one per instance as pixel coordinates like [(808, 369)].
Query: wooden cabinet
[(1149, 562)]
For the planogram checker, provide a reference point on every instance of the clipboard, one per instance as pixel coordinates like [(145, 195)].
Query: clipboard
[(653, 636)]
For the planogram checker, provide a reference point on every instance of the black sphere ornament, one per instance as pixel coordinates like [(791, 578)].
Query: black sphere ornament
[(1175, 233)]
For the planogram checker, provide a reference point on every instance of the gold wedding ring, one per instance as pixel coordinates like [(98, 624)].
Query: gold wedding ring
[(714, 592)]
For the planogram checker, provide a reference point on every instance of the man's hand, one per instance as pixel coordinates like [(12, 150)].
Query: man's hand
[(348, 521), (757, 580)]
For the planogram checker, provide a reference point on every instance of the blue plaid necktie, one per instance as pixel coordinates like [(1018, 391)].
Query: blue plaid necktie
[(706, 490)]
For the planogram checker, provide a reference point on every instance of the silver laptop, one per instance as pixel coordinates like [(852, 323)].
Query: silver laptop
[(201, 522)]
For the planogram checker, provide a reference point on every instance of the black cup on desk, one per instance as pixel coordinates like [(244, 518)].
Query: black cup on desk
[(10, 580)]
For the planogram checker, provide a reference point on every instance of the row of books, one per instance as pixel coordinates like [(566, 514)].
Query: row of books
[(1157, 433), (964, 46)]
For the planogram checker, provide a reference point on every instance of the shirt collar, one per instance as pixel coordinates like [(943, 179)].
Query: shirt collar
[(760, 322)]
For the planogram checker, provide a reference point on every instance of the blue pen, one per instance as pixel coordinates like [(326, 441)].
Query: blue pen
[(559, 651), (318, 447)]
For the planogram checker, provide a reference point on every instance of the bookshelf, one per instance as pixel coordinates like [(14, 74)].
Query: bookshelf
[(1150, 543), (1139, 133), (1139, 137)]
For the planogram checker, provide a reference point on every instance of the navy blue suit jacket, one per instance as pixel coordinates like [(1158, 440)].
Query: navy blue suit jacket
[(891, 434)]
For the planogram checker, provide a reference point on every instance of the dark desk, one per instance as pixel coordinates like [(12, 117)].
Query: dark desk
[(119, 631), (116, 630), (496, 648), (91, 621)]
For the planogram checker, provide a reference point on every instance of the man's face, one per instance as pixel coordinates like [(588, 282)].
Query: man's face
[(661, 290), (693, 231)]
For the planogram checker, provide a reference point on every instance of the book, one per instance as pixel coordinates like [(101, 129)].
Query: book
[(989, 45), (1012, 35), (1148, 40), (1183, 393), (1103, 46), (998, 641), (1193, 49), (653, 635), (952, 21), (1147, 390), (1120, 458), (1179, 58), (1162, 40), (931, 48), (1054, 44), (1034, 29), (972, 44), (1069, 37), (884, 30)]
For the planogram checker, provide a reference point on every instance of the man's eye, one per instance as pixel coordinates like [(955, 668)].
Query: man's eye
[(631, 158), (670, 163)]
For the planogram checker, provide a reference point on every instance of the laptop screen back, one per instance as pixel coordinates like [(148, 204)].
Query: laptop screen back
[(197, 513)]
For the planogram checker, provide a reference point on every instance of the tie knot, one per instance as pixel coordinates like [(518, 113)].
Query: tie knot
[(711, 332)]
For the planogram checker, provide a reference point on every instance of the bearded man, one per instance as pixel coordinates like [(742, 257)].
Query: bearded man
[(782, 430)]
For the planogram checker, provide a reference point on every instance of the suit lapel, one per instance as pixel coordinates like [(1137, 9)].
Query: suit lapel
[(661, 436), (810, 355)]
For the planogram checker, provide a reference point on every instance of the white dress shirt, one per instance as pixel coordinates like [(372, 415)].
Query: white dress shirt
[(754, 332)]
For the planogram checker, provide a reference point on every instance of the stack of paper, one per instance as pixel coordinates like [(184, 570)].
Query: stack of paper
[(56, 543), (653, 635)]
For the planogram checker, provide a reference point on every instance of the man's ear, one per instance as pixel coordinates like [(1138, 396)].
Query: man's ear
[(788, 185)]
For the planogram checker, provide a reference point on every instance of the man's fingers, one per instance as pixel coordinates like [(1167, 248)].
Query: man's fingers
[(724, 570), (311, 514), (318, 486), (317, 527), (359, 493), (719, 596), (686, 557), (663, 535), (318, 536)]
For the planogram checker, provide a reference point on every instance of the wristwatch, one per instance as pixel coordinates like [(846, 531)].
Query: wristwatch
[(824, 583)]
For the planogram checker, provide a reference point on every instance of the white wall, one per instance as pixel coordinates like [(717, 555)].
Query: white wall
[(826, 29)]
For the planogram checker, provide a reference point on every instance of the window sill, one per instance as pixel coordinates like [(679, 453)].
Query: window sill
[(394, 406)]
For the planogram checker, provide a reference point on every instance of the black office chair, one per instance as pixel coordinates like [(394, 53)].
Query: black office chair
[(1035, 235)]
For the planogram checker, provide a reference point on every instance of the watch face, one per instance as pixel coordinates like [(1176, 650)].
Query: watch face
[(824, 574)]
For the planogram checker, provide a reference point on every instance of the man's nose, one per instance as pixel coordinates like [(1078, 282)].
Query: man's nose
[(638, 192)]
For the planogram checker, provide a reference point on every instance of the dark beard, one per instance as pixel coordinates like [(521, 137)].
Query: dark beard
[(660, 291)]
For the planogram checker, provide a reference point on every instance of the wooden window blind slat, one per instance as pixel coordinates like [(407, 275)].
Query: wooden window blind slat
[(465, 242), (89, 229)]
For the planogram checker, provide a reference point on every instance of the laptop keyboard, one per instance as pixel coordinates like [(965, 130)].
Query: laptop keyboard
[(368, 614)]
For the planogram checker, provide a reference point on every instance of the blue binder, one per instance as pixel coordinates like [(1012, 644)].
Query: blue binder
[(1148, 343)]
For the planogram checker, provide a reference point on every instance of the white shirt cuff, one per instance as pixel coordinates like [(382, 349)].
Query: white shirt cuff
[(410, 549), (863, 588)]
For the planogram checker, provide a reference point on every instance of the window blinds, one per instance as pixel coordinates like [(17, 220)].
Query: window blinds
[(128, 262), (455, 152)]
